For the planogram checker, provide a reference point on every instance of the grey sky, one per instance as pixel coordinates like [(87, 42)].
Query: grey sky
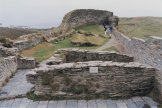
[(48, 13)]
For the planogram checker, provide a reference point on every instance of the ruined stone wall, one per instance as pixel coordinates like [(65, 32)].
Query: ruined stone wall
[(26, 63), (4, 52), (144, 51), (94, 78), (8, 66), (76, 55), (27, 41), (81, 17)]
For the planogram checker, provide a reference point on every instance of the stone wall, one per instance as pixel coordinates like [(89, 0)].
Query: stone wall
[(26, 63), (4, 52), (93, 78), (27, 41), (8, 67), (81, 17), (147, 51), (76, 55)]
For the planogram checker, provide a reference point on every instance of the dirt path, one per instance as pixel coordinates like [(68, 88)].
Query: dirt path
[(108, 44), (112, 43)]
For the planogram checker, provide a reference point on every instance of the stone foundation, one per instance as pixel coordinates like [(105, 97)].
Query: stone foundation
[(27, 41), (76, 55), (4, 52), (147, 51), (82, 79), (8, 66), (26, 63)]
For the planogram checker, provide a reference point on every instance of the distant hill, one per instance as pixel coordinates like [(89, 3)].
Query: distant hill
[(141, 27), (14, 33)]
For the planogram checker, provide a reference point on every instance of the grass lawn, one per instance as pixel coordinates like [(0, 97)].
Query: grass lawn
[(141, 27), (45, 50), (95, 29), (93, 40), (111, 49)]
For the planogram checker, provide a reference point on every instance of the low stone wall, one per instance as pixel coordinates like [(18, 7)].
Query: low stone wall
[(76, 55), (27, 41), (4, 52), (26, 63), (147, 51), (8, 66), (94, 78)]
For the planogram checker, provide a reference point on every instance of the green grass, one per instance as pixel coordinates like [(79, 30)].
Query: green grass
[(96, 29), (93, 40), (141, 27), (45, 50), (111, 49)]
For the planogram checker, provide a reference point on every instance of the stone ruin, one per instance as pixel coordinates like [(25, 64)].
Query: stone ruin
[(10, 61), (88, 74)]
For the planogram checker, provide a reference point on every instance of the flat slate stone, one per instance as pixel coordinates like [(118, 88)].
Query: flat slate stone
[(111, 103), (61, 104), (52, 104), (33, 104), (42, 104), (92, 104), (7, 103), (82, 104), (101, 103), (130, 103), (121, 105), (24, 103), (139, 102), (16, 103), (72, 104), (149, 101)]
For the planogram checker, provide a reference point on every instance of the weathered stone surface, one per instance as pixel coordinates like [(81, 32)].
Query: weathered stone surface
[(81, 17), (147, 51), (26, 63), (4, 52), (74, 80), (27, 41), (8, 66), (76, 55)]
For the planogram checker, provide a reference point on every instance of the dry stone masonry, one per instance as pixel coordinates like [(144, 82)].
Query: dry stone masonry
[(115, 76), (8, 66), (4, 52), (27, 41), (76, 55), (26, 63), (147, 51), (81, 17), (93, 78)]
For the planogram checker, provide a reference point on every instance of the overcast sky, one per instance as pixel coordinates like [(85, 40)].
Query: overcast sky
[(49, 13)]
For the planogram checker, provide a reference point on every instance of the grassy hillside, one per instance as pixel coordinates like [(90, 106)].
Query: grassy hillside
[(14, 33), (141, 27)]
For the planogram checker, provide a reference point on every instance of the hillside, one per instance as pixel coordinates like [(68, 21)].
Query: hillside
[(14, 33), (141, 27)]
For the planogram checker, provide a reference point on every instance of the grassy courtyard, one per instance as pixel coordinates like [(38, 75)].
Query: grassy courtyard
[(45, 50)]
